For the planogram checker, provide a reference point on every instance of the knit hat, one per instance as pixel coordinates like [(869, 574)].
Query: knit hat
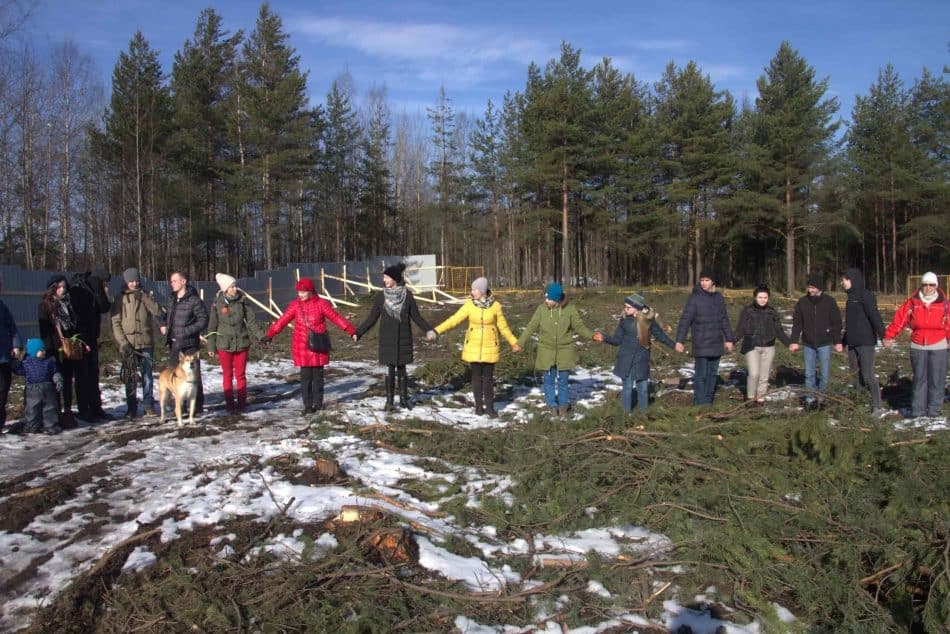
[(33, 346), (102, 273), (636, 300), (816, 280), (395, 272), (306, 284), (224, 281), (709, 273), (554, 292), (929, 278), (480, 284), (54, 281), (131, 275)]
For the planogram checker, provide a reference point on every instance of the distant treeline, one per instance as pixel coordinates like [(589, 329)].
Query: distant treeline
[(587, 175)]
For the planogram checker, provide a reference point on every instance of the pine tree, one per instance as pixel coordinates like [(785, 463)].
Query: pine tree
[(376, 198), (340, 165), (794, 131), (201, 87), (273, 104), (136, 128), (485, 160), (444, 169), (693, 127)]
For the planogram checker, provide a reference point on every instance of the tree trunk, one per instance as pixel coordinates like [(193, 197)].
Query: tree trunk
[(790, 283), (565, 247)]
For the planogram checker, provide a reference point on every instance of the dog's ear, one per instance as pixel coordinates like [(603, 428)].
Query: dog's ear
[(181, 355)]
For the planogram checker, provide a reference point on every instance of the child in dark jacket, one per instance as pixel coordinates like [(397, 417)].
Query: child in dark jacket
[(633, 335), (41, 394)]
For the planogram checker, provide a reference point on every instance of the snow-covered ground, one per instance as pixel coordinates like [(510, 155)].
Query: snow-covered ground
[(204, 481)]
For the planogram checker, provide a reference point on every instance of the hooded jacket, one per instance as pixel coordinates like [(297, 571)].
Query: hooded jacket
[(131, 319), (632, 355), (928, 323), (395, 334), (556, 328), (482, 341), (705, 313), (862, 321), (91, 302)]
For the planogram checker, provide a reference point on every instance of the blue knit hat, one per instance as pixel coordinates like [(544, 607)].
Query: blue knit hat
[(33, 346), (554, 292)]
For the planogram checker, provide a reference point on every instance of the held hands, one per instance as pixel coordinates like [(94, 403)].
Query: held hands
[(888, 343), (794, 347), (355, 337), (432, 335), (163, 330), (516, 348), (58, 381), (679, 347), (264, 342), (598, 337), (730, 346)]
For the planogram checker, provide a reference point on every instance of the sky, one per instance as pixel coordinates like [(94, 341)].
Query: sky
[(478, 50)]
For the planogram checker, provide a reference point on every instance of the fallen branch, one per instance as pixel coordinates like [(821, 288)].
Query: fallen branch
[(403, 505), (686, 509), (107, 557), (880, 573)]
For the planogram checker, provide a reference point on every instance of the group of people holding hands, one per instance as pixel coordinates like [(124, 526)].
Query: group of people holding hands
[(63, 361)]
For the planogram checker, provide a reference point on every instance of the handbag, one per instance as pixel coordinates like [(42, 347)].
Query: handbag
[(71, 347), (317, 341)]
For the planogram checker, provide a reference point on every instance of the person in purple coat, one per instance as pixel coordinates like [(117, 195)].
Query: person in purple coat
[(705, 315)]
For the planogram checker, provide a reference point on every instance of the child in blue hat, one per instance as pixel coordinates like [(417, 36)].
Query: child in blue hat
[(41, 394)]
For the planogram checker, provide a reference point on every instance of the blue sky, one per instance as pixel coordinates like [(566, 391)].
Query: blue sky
[(478, 50)]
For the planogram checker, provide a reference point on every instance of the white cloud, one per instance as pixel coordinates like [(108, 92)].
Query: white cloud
[(679, 45)]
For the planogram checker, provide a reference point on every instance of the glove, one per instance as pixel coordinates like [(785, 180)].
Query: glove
[(264, 342), (125, 349), (58, 381), (432, 335)]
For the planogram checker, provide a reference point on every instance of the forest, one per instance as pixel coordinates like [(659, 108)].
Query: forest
[(586, 175)]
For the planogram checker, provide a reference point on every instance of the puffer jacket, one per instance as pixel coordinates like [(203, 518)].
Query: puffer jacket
[(313, 312), (556, 328), (395, 334), (759, 326), (482, 344), (705, 313), (9, 335), (187, 319), (232, 325), (862, 321), (632, 356), (131, 318), (928, 323)]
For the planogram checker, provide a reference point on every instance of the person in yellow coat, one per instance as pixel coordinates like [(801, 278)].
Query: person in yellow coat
[(482, 347)]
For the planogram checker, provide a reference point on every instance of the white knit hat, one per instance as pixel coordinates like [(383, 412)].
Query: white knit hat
[(224, 281), (929, 278)]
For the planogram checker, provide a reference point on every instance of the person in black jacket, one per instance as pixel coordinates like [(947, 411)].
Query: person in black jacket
[(394, 307), (57, 320), (817, 322), (863, 327), (185, 320), (705, 313), (91, 301), (758, 327)]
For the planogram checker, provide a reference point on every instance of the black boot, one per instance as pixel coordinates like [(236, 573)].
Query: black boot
[(404, 389), (390, 393), (317, 389), (488, 388)]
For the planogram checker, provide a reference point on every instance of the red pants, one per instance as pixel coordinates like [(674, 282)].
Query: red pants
[(233, 365)]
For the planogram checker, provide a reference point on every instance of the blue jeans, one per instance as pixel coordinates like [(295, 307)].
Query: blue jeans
[(144, 357), (820, 357), (705, 377), (626, 393), (558, 398)]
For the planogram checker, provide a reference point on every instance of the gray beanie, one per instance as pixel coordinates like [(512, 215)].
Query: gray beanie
[(131, 275), (480, 284)]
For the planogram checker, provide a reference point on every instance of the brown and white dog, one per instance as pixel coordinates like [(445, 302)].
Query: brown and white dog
[(179, 383)]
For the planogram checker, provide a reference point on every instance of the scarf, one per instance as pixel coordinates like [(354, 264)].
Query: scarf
[(928, 299), (484, 302), (393, 300), (64, 314)]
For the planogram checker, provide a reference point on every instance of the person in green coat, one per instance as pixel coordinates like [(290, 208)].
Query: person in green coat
[(232, 328), (556, 321)]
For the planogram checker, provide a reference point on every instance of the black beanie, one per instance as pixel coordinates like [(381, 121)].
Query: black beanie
[(816, 280), (395, 272), (54, 281)]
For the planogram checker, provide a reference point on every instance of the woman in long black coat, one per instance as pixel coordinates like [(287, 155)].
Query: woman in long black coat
[(395, 307)]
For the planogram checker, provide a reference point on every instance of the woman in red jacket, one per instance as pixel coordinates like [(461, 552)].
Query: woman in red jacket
[(310, 312), (926, 313)]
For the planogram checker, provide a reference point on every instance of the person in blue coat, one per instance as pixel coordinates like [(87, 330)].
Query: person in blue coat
[(633, 335), (10, 346), (705, 314)]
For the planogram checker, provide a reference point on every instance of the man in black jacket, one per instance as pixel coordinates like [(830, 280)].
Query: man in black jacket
[(90, 299), (705, 314), (817, 321), (863, 327), (186, 319)]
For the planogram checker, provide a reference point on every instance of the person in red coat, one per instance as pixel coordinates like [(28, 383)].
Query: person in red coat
[(309, 312), (927, 314)]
